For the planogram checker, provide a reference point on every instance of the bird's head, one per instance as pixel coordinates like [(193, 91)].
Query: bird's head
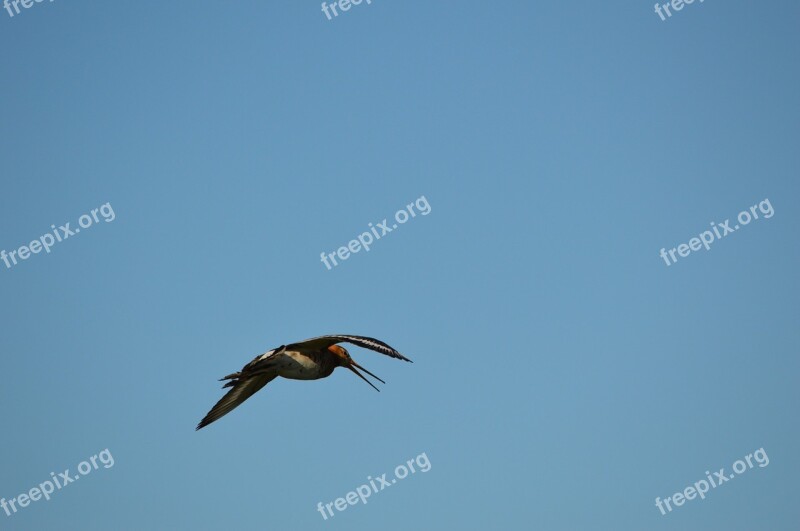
[(343, 359)]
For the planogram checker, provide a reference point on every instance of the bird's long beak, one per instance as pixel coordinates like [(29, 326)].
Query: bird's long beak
[(353, 366)]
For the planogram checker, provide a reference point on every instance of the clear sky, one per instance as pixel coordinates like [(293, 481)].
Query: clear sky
[(564, 375)]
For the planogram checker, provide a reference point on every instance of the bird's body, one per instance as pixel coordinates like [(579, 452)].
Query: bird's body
[(312, 365), (311, 359), (296, 364)]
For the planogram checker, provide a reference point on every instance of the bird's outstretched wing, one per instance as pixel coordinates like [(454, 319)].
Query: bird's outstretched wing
[(360, 341), (244, 386)]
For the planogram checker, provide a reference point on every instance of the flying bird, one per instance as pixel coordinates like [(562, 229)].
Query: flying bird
[(311, 359)]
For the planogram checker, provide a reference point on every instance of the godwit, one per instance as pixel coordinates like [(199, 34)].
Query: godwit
[(311, 359)]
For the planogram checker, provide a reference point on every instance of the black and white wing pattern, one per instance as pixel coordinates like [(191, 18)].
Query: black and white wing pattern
[(360, 341)]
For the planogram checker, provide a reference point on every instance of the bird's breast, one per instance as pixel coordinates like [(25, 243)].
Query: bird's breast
[(303, 366)]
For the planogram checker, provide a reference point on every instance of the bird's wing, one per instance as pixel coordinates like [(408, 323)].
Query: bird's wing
[(243, 388), (260, 363), (262, 359), (360, 341)]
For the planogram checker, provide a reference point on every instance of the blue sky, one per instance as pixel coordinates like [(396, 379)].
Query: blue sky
[(564, 376)]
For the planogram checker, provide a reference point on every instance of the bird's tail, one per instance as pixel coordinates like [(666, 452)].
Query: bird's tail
[(232, 377)]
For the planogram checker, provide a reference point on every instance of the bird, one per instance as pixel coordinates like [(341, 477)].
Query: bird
[(310, 359)]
